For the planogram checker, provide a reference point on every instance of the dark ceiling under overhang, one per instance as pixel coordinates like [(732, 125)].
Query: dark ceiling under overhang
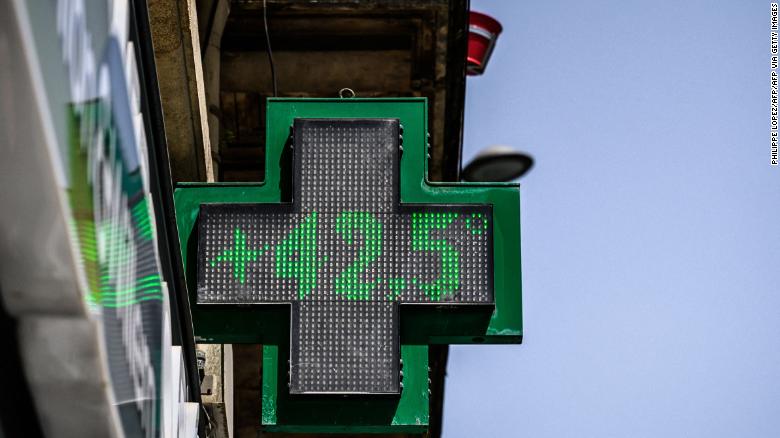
[(378, 48)]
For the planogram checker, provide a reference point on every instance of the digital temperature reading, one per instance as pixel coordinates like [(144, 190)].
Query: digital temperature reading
[(345, 253)]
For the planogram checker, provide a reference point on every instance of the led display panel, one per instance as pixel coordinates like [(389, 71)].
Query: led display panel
[(345, 253)]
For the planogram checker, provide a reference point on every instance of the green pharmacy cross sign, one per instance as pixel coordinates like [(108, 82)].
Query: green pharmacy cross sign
[(345, 253), (370, 260)]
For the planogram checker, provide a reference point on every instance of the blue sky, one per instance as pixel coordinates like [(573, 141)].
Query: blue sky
[(651, 223)]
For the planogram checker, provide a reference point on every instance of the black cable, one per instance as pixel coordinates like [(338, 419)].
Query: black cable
[(268, 47)]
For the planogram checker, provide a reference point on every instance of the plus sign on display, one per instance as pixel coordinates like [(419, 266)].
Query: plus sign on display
[(345, 253), (346, 262)]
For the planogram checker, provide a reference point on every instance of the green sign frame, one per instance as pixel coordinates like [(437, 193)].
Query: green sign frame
[(420, 326)]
